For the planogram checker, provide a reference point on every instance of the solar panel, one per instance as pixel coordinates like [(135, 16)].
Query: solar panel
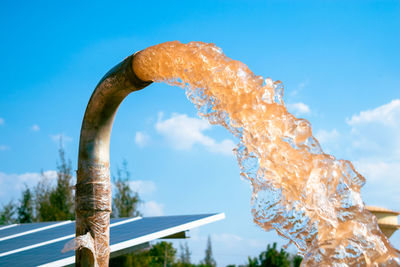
[(18, 228), (40, 244)]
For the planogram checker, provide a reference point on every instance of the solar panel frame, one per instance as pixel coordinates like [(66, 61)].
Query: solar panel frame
[(18, 228), (37, 237), (126, 234)]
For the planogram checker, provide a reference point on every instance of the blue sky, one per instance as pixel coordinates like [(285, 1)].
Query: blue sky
[(339, 61)]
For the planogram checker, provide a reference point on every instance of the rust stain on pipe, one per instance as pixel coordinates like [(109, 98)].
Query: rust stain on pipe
[(93, 188)]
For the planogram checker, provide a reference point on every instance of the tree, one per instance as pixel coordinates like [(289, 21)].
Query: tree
[(125, 204), (42, 205), (134, 259), (162, 254), (45, 202), (125, 201), (25, 209), (62, 197), (296, 260), (273, 258), (270, 258), (7, 213), (56, 203), (184, 256), (252, 262), (208, 258)]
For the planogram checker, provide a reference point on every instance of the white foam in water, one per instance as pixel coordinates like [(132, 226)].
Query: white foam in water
[(307, 196)]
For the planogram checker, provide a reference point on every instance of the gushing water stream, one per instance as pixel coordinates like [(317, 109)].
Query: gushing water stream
[(307, 196)]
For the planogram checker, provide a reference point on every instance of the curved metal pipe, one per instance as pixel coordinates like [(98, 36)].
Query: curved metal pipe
[(93, 188)]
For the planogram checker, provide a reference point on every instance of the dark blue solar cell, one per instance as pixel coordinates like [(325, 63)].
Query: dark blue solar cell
[(41, 236), (149, 225), (37, 256), (37, 237), (23, 228), (52, 252)]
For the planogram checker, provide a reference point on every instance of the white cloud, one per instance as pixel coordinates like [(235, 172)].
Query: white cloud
[(378, 170), (35, 128), (11, 185), (387, 115), (184, 132), (226, 238), (142, 187), (298, 108), (256, 243), (57, 137), (1, 121), (375, 132), (194, 235), (382, 186), (152, 208), (302, 85), (324, 136), (373, 145), (233, 241), (299, 88), (4, 147), (142, 139)]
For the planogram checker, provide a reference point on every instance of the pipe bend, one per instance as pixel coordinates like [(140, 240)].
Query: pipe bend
[(93, 188), (101, 109)]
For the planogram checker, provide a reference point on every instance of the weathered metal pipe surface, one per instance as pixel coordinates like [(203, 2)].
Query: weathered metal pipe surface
[(93, 188)]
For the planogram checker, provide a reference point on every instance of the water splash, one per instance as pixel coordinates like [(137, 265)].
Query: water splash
[(307, 196)]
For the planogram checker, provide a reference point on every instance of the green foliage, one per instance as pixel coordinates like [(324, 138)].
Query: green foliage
[(45, 202), (184, 256), (274, 258), (134, 259), (252, 262), (62, 198), (125, 204), (42, 193), (162, 254), (56, 203), (25, 209), (7, 213), (296, 260), (208, 260), (125, 201)]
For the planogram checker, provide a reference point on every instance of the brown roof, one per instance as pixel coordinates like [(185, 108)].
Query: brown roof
[(380, 209), (392, 226)]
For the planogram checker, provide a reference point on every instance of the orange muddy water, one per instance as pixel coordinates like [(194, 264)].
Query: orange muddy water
[(307, 196)]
